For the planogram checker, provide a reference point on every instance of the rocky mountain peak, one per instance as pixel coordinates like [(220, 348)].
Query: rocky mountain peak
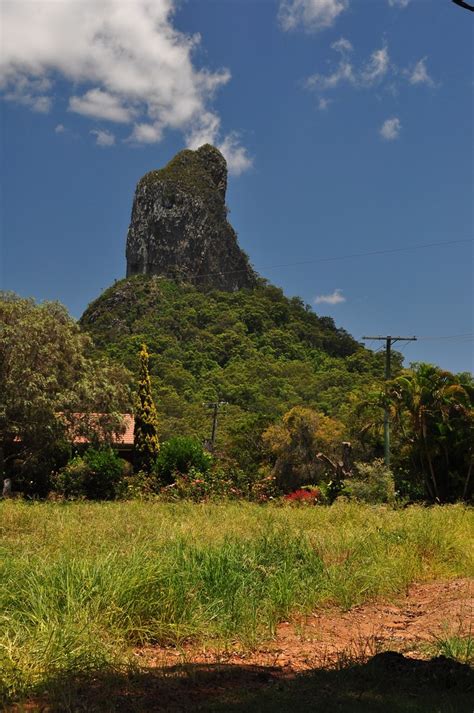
[(179, 225)]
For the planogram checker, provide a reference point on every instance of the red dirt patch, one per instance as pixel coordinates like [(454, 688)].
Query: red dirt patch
[(327, 661), (329, 636)]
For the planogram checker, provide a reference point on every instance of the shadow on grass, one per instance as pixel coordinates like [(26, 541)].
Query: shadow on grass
[(387, 683)]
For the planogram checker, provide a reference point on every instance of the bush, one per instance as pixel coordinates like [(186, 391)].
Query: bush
[(32, 476), (373, 483), (95, 475), (141, 485), (179, 455), (232, 484), (307, 495)]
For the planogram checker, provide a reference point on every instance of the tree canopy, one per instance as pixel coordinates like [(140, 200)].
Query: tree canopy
[(52, 386)]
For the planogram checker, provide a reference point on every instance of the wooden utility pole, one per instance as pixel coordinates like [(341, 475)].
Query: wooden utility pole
[(215, 406), (389, 340)]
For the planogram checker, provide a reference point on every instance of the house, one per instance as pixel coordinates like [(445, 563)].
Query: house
[(121, 442)]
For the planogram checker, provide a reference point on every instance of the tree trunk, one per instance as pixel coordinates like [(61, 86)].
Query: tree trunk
[(466, 484), (7, 488)]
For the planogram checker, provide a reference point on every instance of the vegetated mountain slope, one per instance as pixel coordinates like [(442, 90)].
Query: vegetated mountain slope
[(254, 348)]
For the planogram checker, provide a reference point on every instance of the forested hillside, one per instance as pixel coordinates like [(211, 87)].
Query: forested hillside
[(258, 350)]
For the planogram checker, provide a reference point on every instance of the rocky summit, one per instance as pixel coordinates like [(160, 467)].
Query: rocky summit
[(179, 225)]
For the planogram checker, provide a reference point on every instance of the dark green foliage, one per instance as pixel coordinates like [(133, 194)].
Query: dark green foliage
[(258, 350), (264, 354), (95, 475), (51, 389), (146, 444), (179, 455), (32, 477), (435, 408)]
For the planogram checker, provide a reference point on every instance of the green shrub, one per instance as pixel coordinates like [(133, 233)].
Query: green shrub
[(179, 455), (95, 475), (229, 483), (372, 483), (139, 485)]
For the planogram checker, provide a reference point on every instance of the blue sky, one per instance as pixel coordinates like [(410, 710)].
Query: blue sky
[(347, 125)]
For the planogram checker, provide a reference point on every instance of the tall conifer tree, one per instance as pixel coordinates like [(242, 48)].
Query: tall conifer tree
[(146, 443)]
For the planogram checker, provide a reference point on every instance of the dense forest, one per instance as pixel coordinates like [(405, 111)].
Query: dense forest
[(293, 391), (257, 350)]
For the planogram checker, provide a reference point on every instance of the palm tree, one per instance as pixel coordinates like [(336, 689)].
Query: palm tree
[(440, 417)]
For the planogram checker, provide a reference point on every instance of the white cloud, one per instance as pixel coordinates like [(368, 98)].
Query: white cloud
[(146, 133), (30, 92), (376, 68), (101, 105), (398, 3), (345, 72), (206, 129), (419, 74), (334, 298), (236, 155), (103, 138), (390, 129), (323, 103), (60, 129), (311, 15), (125, 61), (378, 71), (203, 130), (342, 45)]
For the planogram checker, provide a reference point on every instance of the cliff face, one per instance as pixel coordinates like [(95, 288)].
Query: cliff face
[(179, 225)]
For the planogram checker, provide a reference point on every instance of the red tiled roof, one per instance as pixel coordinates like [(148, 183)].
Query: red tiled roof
[(121, 439)]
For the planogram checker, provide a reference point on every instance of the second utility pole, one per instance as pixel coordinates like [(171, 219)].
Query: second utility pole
[(389, 340), (215, 405)]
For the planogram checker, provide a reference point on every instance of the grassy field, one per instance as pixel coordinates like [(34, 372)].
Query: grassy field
[(82, 583)]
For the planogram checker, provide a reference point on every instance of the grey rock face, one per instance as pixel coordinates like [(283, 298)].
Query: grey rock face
[(179, 225)]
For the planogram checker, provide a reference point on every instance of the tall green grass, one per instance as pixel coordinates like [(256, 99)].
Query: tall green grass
[(80, 583)]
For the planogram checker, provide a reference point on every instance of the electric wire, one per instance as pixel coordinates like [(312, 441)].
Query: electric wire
[(334, 258)]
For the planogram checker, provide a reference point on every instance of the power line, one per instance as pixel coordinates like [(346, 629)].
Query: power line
[(334, 258), (454, 337), (445, 337)]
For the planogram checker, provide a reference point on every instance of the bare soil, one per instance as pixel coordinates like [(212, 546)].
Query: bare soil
[(328, 662), (330, 636)]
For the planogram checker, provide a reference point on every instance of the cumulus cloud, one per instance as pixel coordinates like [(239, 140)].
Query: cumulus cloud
[(390, 129), (103, 138), (30, 92), (126, 62), (311, 15), (101, 105), (59, 129), (398, 3), (334, 298), (419, 74), (146, 133), (237, 156)]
